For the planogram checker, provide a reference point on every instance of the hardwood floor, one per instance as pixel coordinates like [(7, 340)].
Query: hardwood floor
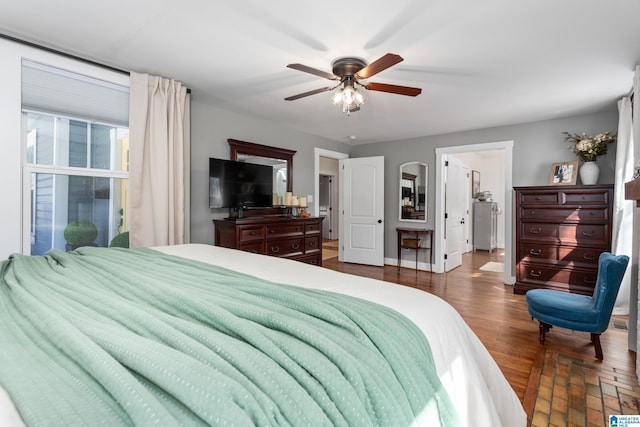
[(501, 321)]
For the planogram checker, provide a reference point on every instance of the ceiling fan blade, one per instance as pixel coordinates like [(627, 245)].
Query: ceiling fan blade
[(311, 92), (313, 71), (400, 90), (380, 64)]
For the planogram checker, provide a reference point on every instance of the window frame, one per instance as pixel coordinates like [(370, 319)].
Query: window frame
[(27, 225)]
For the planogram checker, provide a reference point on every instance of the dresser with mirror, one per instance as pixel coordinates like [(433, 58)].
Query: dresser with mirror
[(272, 231)]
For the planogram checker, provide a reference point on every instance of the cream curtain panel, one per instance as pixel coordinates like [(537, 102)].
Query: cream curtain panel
[(159, 147), (634, 338), (622, 233)]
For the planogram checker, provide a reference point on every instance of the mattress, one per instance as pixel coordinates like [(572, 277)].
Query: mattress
[(467, 371)]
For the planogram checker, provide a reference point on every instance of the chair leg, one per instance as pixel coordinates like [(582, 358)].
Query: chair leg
[(544, 327), (595, 339)]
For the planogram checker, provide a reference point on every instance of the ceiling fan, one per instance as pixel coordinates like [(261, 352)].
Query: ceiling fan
[(349, 71)]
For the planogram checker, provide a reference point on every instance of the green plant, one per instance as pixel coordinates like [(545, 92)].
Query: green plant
[(120, 240), (80, 233)]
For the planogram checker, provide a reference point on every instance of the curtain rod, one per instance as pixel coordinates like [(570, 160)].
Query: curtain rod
[(67, 55)]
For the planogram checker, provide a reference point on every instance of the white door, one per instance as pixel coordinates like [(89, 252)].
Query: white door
[(454, 213), (362, 204)]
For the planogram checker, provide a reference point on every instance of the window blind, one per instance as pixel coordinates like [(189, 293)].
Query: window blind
[(53, 90)]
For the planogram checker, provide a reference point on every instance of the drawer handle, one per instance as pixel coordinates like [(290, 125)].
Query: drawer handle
[(253, 251), (538, 198), (272, 231), (588, 233), (313, 262), (589, 280), (535, 273), (252, 233), (533, 212), (589, 256), (295, 246), (535, 251), (275, 249), (313, 243), (535, 230)]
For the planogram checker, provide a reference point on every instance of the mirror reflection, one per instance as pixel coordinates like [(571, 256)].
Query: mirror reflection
[(279, 174), (281, 159), (413, 192)]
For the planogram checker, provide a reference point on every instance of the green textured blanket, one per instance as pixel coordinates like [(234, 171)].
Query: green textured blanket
[(135, 337)]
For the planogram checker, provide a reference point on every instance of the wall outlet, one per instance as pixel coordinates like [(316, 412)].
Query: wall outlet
[(309, 198)]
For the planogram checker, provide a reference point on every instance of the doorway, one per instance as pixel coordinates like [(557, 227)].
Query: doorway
[(326, 165), (326, 203), (440, 208)]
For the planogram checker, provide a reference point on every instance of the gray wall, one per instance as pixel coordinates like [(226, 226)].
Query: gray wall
[(536, 146), (210, 129)]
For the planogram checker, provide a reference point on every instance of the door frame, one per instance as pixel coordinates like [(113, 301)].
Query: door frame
[(441, 152)]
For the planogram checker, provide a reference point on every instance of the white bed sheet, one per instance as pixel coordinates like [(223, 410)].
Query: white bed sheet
[(482, 395)]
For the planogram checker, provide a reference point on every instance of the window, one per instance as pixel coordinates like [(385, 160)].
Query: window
[(75, 170)]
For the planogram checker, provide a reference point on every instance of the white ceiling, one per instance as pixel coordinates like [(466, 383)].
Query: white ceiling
[(480, 63)]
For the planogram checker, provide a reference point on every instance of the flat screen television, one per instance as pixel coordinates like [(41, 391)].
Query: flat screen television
[(239, 185)]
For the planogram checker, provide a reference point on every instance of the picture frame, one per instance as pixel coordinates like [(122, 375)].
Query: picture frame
[(564, 173), (475, 183)]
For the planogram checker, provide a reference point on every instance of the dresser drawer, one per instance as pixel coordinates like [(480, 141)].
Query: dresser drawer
[(313, 228), (586, 198), (565, 214), (250, 233), (539, 253), (315, 259), (533, 198), (255, 247), (595, 235), (311, 244), (589, 234), (578, 280), (285, 230), (285, 247)]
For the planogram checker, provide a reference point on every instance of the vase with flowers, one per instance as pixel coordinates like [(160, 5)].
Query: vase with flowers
[(588, 148)]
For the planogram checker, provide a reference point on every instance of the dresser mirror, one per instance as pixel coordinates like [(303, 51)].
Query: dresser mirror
[(413, 192), (281, 159)]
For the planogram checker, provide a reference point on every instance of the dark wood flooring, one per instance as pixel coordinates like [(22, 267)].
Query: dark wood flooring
[(501, 321)]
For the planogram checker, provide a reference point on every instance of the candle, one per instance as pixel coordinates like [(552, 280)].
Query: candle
[(302, 201), (288, 198)]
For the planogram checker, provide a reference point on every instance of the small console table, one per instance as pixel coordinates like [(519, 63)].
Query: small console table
[(413, 242)]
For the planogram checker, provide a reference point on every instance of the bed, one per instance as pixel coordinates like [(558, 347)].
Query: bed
[(452, 380)]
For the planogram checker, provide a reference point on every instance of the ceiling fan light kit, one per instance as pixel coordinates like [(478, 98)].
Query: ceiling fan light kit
[(349, 71), (348, 97)]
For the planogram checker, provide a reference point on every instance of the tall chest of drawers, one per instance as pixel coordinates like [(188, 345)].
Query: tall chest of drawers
[(286, 237), (560, 233)]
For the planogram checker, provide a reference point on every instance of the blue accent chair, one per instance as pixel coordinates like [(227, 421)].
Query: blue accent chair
[(581, 312)]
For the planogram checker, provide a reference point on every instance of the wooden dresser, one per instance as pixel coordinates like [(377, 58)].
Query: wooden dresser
[(287, 237), (560, 233)]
